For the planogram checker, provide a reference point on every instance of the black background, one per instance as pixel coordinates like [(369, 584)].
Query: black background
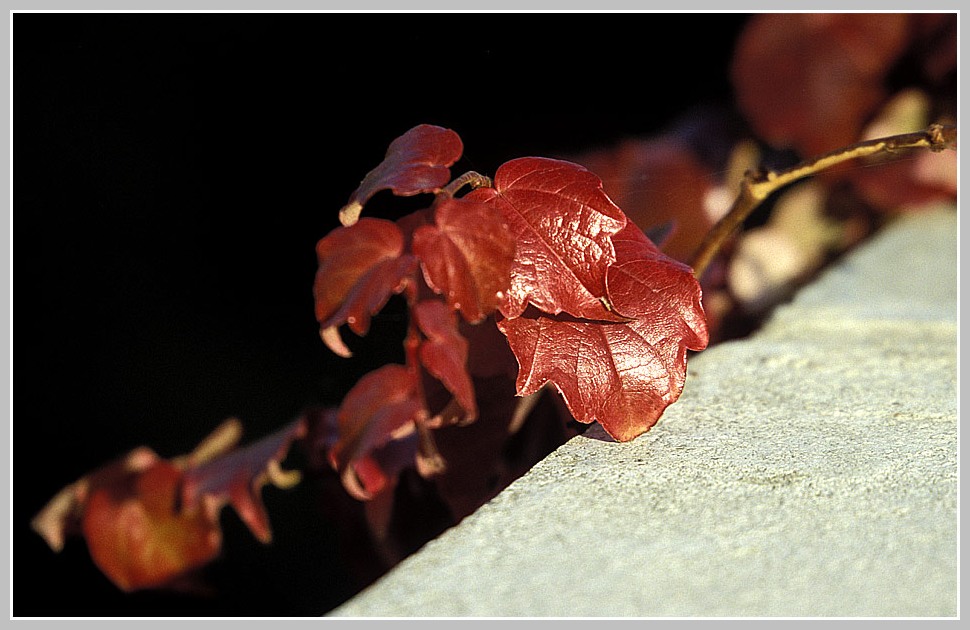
[(172, 174)]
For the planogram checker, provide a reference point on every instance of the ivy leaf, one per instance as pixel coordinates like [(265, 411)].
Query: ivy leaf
[(416, 162), (149, 521), (360, 267), (138, 538), (621, 374), (381, 407), (562, 222), (445, 354), (466, 256)]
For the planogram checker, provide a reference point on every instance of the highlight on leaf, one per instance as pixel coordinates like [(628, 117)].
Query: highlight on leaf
[(562, 222)]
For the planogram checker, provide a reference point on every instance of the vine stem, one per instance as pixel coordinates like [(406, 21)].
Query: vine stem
[(759, 185), (430, 462)]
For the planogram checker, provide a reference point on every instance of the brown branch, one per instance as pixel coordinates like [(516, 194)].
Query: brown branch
[(758, 186)]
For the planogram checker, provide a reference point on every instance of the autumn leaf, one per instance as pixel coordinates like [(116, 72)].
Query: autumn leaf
[(138, 538), (416, 162), (360, 267), (149, 521), (466, 255), (620, 374), (381, 407), (561, 221), (444, 354)]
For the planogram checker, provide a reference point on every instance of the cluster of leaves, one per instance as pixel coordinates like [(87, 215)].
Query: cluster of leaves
[(587, 304), (150, 521), (585, 299), (536, 281)]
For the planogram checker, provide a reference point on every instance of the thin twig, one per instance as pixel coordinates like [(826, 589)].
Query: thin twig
[(758, 186)]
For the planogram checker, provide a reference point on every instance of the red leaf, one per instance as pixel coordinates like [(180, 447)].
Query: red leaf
[(140, 540), (445, 353), (810, 81), (380, 407), (416, 162), (621, 374), (466, 256), (141, 532), (562, 222), (360, 267)]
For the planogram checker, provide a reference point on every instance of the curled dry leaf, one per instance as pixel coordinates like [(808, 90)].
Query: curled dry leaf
[(149, 521), (416, 162), (238, 477)]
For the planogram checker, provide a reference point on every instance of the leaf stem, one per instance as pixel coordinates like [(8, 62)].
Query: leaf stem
[(471, 178), (759, 185)]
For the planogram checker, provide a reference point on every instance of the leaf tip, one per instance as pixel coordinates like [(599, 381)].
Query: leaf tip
[(350, 213), (331, 337), (353, 484), (282, 479), (51, 522), (220, 441)]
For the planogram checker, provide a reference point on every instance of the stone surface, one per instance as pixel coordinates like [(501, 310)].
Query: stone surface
[(810, 470)]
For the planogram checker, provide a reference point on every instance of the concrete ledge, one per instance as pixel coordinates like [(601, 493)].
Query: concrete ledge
[(810, 470)]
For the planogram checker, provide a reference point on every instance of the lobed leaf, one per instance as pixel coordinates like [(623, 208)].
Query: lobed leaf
[(360, 267), (416, 162), (621, 374), (444, 353), (561, 221), (466, 256)]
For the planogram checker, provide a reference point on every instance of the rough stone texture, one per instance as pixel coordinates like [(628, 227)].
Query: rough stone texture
[(810, 470)]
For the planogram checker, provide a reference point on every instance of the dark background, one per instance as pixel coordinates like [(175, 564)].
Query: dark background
[(172, 174)]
